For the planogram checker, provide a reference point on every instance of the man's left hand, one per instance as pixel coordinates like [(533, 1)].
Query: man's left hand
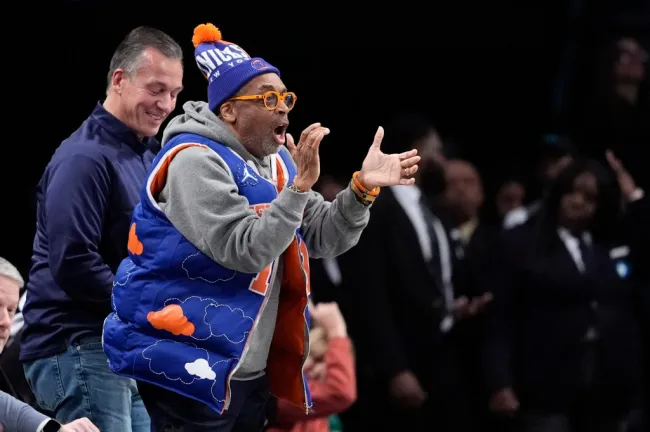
[(380, 169)]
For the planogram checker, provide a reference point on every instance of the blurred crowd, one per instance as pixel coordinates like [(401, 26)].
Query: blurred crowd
[(526, 309)]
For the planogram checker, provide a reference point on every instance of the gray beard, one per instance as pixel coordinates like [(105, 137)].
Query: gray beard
[(270, 149), (262, 147)]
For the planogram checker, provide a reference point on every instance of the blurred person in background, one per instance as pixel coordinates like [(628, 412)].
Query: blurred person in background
[(402, 314), (463, 197), (11, 282), (473, 241), (329, 186), (10, 362), (510, 195), (15, 415), (330, 372), (326, 280), (562, 351), (555, 152), (618, 107), (85, 200)]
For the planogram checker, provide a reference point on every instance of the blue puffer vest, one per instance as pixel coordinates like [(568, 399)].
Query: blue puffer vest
[(183, 322)]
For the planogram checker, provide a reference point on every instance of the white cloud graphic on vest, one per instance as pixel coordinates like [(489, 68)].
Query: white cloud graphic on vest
[(201, 369), (195, 268), (169, 359), (203, 318), (160, 360)]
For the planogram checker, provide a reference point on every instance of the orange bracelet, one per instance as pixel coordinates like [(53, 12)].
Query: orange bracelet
[(366, 200), (364, 190), (363, 195)]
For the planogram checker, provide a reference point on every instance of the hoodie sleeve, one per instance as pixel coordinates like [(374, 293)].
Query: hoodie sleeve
[(332, 228), (201, 199)]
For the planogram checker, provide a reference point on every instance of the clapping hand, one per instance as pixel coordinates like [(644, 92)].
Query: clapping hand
[(380, 169), (306, 156)]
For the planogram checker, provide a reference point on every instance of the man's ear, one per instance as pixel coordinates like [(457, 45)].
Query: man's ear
[(117, 80), (227, 112)]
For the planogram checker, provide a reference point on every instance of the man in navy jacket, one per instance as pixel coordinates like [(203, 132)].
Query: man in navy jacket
[(85, 200)]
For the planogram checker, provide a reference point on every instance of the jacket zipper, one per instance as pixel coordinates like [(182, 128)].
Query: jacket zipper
[(304, 359), (245, 351)]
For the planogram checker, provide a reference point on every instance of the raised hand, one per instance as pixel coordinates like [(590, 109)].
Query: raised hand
[(306, 156), (329, 317), (625, 180), (380, 169)]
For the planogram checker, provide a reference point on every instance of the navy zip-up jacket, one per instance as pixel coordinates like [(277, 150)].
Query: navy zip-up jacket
[(85, 200)]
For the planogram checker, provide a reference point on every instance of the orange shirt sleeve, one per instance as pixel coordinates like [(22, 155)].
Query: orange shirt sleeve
[(336, 393)]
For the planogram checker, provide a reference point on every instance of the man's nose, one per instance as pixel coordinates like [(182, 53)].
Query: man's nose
[(282, 108), (5, 318), (166, 103)]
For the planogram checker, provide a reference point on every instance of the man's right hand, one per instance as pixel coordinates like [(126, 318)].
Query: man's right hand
[(504, 402), (80, 425), (306, 156), (406, 390)]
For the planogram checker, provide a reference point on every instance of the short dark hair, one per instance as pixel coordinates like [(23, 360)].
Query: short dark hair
[(127, 54)]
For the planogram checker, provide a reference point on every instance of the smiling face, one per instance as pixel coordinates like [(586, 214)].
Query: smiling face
[(148, 95), (260, 130)]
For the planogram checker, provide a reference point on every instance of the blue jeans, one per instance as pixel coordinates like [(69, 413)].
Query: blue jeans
[(78, 383)]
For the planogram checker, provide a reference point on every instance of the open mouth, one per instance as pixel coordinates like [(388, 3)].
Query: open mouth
[(280, 134), (156, 117)]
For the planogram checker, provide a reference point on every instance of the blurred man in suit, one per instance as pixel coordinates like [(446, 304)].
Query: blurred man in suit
[(403, 307)]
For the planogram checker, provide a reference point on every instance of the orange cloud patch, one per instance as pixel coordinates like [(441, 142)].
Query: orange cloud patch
[(135, 245), (171, 319)]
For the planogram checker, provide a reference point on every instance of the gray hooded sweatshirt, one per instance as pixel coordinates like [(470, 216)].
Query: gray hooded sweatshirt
[(201, 200)]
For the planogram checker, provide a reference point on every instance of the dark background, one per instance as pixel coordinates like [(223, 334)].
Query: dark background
[(492, 76)]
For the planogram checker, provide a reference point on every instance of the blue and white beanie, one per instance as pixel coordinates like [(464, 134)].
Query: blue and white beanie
[(226, 65)]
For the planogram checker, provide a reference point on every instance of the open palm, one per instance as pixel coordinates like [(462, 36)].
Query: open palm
[(380, 169)]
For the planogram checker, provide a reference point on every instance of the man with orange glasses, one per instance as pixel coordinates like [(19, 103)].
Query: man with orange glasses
[(210, 308)]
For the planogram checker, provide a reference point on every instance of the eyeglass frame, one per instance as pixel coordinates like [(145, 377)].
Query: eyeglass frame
[(281, 97)]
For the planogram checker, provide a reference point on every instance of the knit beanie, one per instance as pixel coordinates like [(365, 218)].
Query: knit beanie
[(226, 66)]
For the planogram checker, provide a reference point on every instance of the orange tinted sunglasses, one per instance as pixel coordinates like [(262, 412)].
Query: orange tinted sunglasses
[(271, 99)]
